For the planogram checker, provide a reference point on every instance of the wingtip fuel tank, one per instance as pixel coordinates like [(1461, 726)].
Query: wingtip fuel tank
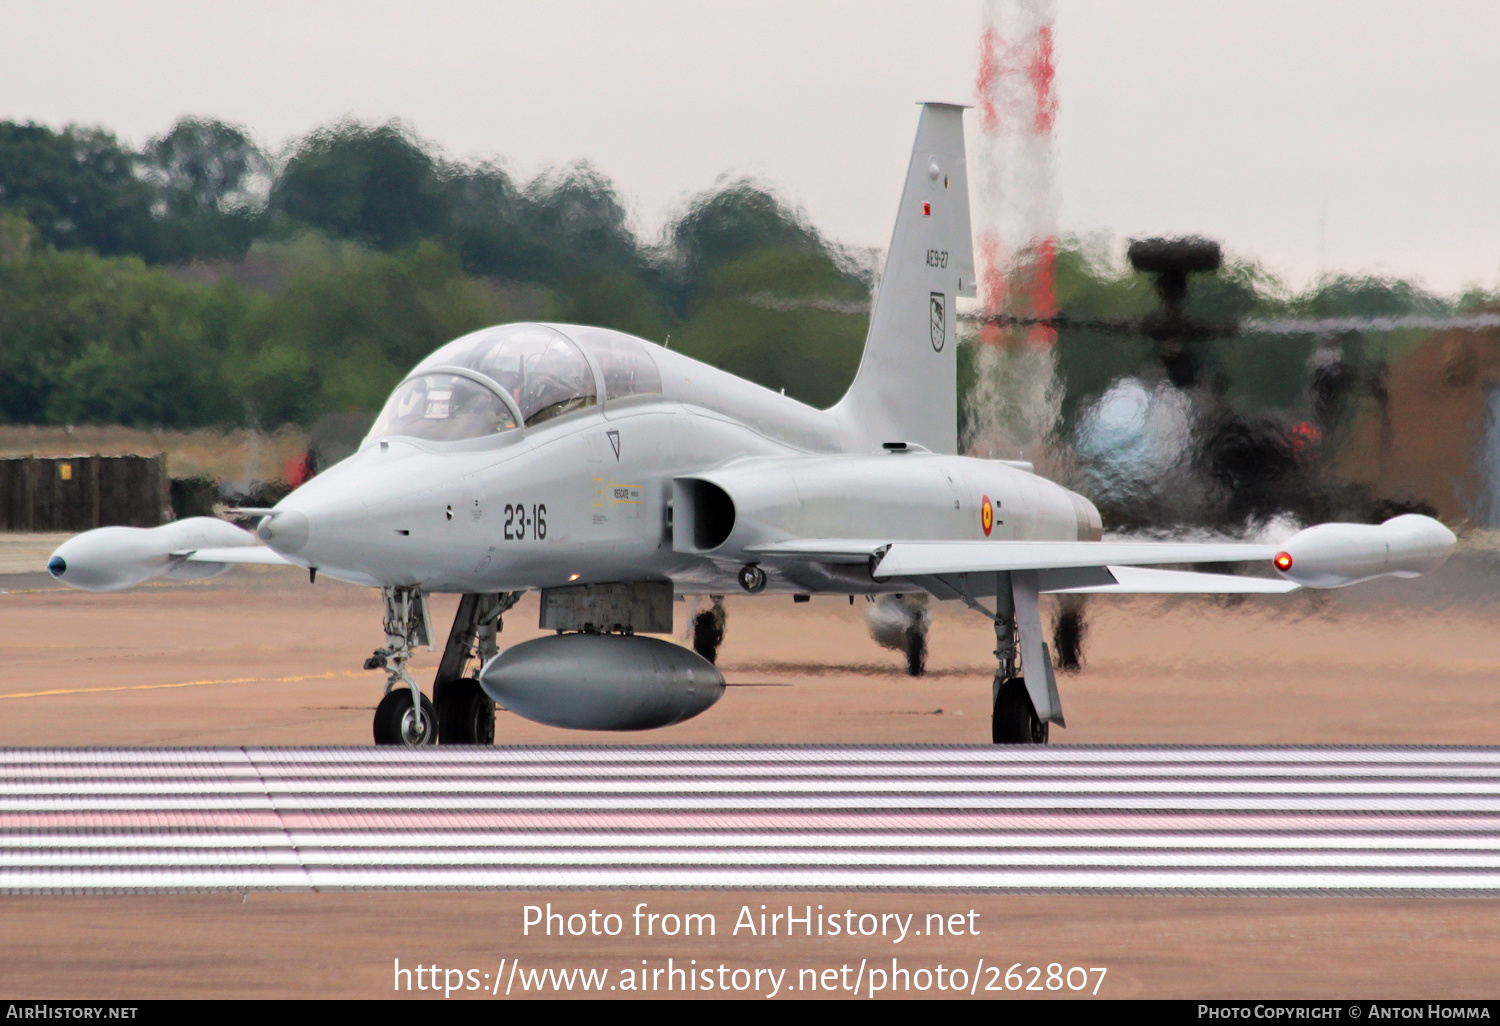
[(1338, 555), (116, 558)]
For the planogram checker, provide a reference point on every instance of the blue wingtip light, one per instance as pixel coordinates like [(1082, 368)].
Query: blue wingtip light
[(57, 566)]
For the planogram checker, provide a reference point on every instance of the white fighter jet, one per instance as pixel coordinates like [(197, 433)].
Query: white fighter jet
[(612, 474)]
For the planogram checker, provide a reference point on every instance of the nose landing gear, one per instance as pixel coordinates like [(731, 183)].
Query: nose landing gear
[(404, 716), (399, 722), (459, 713)]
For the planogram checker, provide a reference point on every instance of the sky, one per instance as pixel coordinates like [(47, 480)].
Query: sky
[(1311, 135)]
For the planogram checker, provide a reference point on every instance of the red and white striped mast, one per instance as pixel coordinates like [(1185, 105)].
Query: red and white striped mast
[(1016, 222), (1015, 403)]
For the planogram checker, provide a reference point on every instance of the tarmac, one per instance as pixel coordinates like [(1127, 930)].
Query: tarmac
[(240, 668)]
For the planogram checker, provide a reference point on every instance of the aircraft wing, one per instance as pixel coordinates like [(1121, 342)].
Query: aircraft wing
[(1134, 580), (1072, 568), (920, 559), (913, 558), (242, 554), (1323, 556)]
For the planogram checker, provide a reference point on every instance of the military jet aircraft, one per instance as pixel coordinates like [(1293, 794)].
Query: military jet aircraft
[(612, 474)]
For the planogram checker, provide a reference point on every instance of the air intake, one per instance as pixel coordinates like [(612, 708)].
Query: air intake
[(703, 515)]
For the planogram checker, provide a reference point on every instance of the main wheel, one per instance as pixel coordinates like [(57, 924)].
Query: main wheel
[(397, 722), (1068, 631), (916, 652), (1015, 721), (708, 633), (465, 714)]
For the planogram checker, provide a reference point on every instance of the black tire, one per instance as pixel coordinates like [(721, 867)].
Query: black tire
[(395, 723), (1068, 633), (708, 633), (465, 714), (1015, 721), (916, 653)]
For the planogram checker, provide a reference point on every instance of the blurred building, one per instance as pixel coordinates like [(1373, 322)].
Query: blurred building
[(77, 493), (1436, 436)]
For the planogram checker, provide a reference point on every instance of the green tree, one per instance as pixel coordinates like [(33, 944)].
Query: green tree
[(785, 320), (375, 184), (341, 338), (724, 224), (212, 179), (79, 187)]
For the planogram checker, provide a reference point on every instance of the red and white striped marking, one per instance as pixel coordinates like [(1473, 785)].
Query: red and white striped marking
[(1106, 820)]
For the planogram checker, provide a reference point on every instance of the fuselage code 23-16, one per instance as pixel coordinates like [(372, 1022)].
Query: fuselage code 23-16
[(521, 524)]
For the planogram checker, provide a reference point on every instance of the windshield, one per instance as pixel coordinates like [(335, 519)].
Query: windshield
[(443, 408), (540, 368)]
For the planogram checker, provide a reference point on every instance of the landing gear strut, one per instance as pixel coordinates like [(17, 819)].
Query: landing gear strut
[(465, 714), (459, 712), (404, 716), (1023, 707), (1014, 720)]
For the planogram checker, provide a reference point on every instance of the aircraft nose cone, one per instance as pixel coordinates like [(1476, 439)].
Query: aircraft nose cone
[(286, 532), (57, 566)]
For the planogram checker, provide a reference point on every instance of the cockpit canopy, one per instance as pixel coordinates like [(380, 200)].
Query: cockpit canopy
[(443, 408), (539, 368)]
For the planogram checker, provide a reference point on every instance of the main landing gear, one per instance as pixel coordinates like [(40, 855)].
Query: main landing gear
[(1014, 720), (1023, 706), (900, 622), (708, 629), (460, 713)]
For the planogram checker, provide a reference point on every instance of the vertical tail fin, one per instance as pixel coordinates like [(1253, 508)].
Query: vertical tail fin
[(907, 386)]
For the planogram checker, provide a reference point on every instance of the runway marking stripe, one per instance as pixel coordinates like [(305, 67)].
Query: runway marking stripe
[(181, 684), (482, 858), (1123, 820), (698, 778), (1059, 820), (594, 756)]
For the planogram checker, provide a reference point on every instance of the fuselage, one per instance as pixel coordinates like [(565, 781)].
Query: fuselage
[(586, 496)]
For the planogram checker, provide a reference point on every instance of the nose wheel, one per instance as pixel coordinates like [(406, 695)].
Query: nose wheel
[(398, 721), (404, 716)]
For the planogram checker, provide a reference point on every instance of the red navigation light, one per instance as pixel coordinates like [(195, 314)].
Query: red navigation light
[(926, 209), (1283, 562)]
